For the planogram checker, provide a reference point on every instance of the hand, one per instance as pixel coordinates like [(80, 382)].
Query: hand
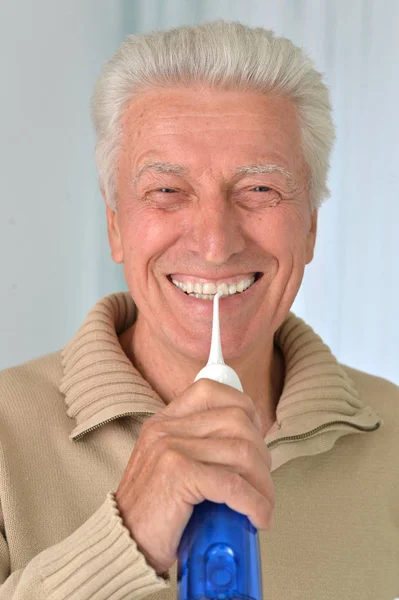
[(206, 444)]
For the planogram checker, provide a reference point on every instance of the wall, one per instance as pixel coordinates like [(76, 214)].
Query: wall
[(54, 255)]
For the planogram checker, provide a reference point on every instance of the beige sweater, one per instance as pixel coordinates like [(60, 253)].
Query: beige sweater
[(68, 424)]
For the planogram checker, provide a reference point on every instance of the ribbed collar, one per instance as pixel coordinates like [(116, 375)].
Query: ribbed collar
[(100, 383)]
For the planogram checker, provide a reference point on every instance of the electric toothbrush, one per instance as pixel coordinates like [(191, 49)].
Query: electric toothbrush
[(218, 554)]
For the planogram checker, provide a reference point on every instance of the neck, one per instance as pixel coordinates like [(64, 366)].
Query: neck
[(169, 374)]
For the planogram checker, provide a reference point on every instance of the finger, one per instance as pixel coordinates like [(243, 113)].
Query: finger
[(231, 489), (205, 395), (226, 422), (239, 456)]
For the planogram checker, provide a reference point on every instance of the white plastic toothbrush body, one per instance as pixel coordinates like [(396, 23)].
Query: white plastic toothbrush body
[(216, 369)]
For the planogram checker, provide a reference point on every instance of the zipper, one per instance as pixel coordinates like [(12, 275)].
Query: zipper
[(301, 436), (289, 438), (128, 414)]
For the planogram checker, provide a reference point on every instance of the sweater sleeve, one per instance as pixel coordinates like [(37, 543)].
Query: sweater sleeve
[(99, 560)]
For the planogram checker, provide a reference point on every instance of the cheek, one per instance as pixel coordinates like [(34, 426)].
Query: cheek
[(146, 234), (280, 232)]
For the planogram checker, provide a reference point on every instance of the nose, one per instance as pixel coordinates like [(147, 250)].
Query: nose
[(215, 232)]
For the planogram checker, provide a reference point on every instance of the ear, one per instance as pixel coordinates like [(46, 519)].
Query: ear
[(311, 237), (114, 236)]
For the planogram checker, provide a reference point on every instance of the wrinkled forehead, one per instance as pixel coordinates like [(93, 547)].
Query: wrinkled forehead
[(189, 126)]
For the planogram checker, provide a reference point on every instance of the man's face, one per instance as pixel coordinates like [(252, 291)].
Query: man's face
[(193, 209)]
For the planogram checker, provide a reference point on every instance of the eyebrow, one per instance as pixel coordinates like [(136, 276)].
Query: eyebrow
[(161, 167), (266, 168), (176, 169)]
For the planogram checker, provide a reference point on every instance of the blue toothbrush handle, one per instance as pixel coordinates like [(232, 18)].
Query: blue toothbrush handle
[(218, 556)]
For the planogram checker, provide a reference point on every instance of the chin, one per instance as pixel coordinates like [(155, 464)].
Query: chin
[(197, 346)]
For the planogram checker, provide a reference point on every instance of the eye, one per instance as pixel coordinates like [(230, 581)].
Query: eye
[(264, 198), (166, 198), (261, 188)]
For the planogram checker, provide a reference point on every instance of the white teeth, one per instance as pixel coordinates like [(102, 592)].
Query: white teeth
[(203, 296), (232, 289), (223, 288), (207, 290)]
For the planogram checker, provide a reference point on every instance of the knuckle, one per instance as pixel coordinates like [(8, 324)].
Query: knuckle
[(171, 458), (202, 387), (199, 395), (245, 451), (238, 415), (234, 484), (163, 445), (151, 428)]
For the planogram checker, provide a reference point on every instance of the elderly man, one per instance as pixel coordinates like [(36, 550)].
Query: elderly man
[(212, 147)]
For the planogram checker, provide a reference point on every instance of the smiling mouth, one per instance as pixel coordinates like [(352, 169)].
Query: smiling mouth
[(208, 289)]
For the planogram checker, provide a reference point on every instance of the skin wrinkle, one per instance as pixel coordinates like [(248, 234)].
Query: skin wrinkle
[(242, 171), (211, 237)]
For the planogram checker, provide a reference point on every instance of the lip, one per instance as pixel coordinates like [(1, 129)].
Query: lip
[(205, 307)]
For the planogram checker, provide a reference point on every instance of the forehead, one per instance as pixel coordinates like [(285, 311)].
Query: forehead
[(198, 126)]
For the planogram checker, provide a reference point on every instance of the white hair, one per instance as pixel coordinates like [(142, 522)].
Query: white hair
[(218, 54)]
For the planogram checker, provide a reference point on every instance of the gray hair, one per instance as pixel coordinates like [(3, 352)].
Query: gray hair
[(223, 55)]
